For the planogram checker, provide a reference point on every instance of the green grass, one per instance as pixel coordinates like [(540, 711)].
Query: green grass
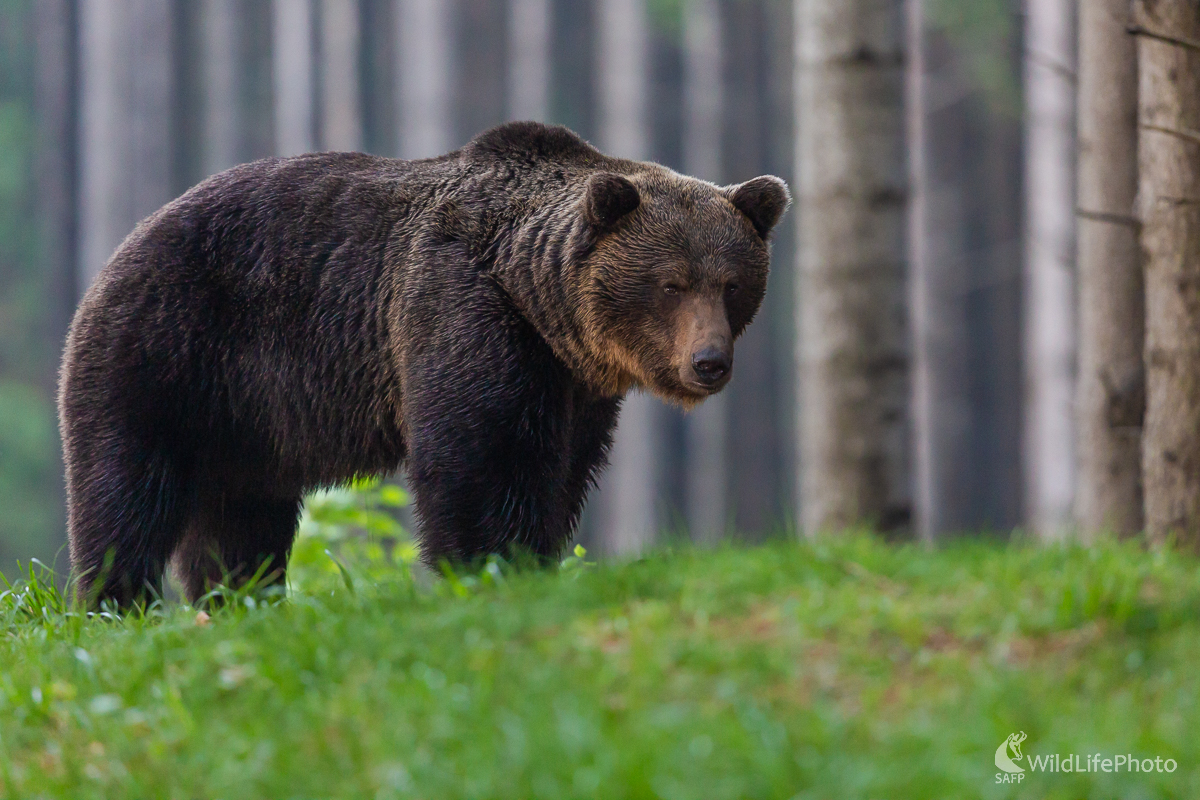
[(842, 669)]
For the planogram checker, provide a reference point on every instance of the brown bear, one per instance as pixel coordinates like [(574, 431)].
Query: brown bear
[(476, 318)]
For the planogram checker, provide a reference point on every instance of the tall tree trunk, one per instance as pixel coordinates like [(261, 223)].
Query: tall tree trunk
[(853, 337), (152, 86), (997, 486), (779, 158), (706, 427), (292, 32), (628, 515), (125, 159), (235, 83), (222, 110), (379, 77), (574, 92), (754, 444), (922, 300), (1111, 387), (256, 80), (953, 282), (341, 108), (481, 64), (940, 277), (1049, 288), (1169, 205), (529, 27), (55, 96), (424, 77), (55, 103)]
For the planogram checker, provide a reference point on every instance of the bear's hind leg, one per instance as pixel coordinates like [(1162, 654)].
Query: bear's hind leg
[(231, 539), (126, 515)]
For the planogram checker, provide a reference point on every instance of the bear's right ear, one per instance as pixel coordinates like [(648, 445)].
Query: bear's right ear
[(609, 197)]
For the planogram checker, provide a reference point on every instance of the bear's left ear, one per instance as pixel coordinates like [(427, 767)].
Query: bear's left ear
[(762, 199), (609, 197)]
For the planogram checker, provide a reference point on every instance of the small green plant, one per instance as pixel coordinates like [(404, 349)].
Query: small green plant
[(351, 529), (575, 563)]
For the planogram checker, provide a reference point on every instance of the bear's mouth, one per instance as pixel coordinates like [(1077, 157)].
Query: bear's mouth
[(706, 391), (702, 388)]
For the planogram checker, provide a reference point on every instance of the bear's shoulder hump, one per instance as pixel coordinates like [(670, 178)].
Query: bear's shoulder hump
[(532, 141)]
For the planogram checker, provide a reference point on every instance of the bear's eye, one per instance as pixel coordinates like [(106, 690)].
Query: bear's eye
[(731, 289), (671, 289)]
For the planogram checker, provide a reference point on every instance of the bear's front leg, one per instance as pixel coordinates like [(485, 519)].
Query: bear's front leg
[(490, 430)]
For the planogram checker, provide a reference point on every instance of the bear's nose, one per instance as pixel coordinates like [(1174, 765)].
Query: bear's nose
[(710, 365)]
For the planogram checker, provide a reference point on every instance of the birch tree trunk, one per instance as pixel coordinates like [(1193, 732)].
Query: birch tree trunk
[(706, 427), (853, 337), (1049, 285), (1169, 205), (1111, 386), (341, 109), (125, 114), (424, 77), (529, 29), (293, 76), (627, 512)]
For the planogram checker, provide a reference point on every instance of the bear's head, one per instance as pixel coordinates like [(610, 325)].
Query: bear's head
[(678, 270)]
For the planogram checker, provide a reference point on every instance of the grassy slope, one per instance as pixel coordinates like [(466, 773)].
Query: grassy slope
[(850, 670)]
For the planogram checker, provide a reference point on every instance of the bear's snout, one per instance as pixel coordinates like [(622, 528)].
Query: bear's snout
[(704, 346), (711, 366)]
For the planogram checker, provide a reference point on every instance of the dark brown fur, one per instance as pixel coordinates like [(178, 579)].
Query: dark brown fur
[(476, 317)]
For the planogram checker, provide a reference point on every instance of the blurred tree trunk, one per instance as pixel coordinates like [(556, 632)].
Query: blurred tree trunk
[(481, 66), (529, 27), (1111, 388), (55, 97), (1049, 288), (965, 268), (55, 103), (234, 84), (852, 339), (125, 116), (941, 156), (574, 92), (292, 34), (341, 107), (922, 297), (778, 315), (998, 396), (1169, 205), (379, 77), (151, 77), (622, 66), (627, 507), (754, 445), (703, 89), (425, 77), (222, 123)]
